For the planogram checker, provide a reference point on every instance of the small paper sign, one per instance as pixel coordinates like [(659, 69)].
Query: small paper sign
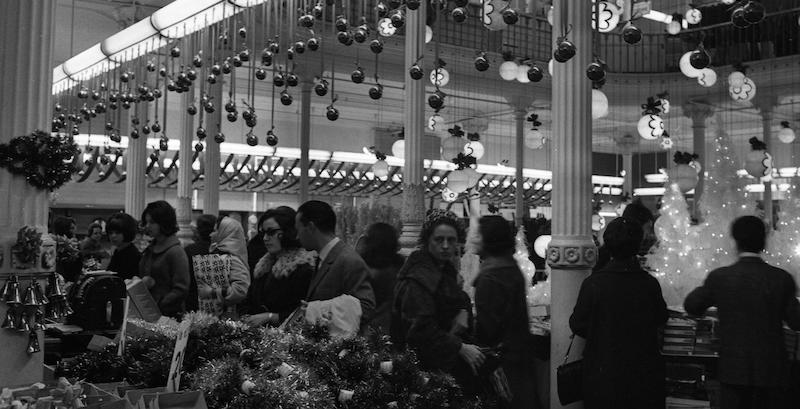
[(174, 379)]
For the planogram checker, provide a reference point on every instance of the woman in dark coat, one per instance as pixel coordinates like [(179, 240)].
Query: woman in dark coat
[(502, 309), (619, 311), (282, 276), (431, 313), (121, 230), (378, 247)]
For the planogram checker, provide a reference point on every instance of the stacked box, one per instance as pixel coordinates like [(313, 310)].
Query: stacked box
[(685, 336)]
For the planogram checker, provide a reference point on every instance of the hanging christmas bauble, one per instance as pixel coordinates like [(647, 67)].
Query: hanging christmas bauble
[(219, 137), (699, 58), (686, 67), (191, 109), (510, 16), (175, 52), (125, 77), (786, 133), (251, 139), (493, 14), (341, 23), (163, 144), (436, 100), (95, 95), (564, 51), (459, 14), (251, 123), (232, 116), (393, 4), (201, 132), (599, 104), (736, 79), (344, 37), (508, 70), (481, 63), (684, 176), (595, 71), (197, 60), (109, 126), (156, 127), (261, 74), (182, 78), (313, 44), (332, 113), (458, 180), (474, 149), (272, 139), (357, 76), (534, 139), (380, 169), (398, 18), (146, 129), (100, 108), (650, 126), (413, 4), (376, 46), (55, 125), (451, 147), (278, 80), (83, 93), (134, 133), (237, 61), (449, 195), (274, 47), (535, 73), (209, 108), (376, 91), (75, 130), (737, 18), (607, 14), (382, 9), (247, 115), (321, 88), (150, 96), (306, 20), (693, 16), (318, 10), (631, 34), (216, 69), (754, 12), (415, 72), (198, 147), (360, 35), (440, 77), (399, 148), (151, 66), (707, 78), (744, 93), (226, 67), (299, 47), (292, 80), (758, 164)]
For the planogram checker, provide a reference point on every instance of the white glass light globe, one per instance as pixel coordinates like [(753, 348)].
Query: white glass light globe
[(493, 14), (534, 139), (707, 78), (440, 77), (674, 27), (458, 181), (428, 34), (664, 105), (436, 123), (608, 17), (744, 93), (451, 147), (686, 66), (380, 169), (522, 73), (599, 104), (693, 16), (786, 135), (650, 127), (550, 67), (541, 243), (385, 27), (509, 70), (736, 79), (550, 15), (399, 148), (474, 148)]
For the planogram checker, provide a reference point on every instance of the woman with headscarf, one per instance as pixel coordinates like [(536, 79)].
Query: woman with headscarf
[(228, 244)]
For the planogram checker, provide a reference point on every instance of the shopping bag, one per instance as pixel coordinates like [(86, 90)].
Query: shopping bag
[(570, 378), (213, 270)]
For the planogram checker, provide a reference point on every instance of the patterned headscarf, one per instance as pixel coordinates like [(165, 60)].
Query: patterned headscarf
[(229, 239)]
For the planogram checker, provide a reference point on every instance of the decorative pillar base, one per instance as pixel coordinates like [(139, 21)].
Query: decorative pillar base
[(413, 216), (184, 213)]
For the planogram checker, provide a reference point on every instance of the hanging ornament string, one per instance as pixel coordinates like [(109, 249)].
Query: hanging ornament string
[(252, 24), (333, 57)]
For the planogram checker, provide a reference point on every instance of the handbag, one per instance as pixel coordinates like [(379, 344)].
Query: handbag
[(570, 378), (213, 270)]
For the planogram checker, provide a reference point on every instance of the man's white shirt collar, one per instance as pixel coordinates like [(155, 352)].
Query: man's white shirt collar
[(323, 254), (749, 254)]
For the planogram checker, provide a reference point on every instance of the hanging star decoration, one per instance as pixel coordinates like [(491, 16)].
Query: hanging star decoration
[(44, 160)]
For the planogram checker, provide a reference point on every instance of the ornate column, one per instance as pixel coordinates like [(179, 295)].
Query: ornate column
[(572, 252), (413, 212), (135, 166), (184, 199), (627, 166), (27, 28), (698, 112), (212, 155), (520, 104), (305, 136)]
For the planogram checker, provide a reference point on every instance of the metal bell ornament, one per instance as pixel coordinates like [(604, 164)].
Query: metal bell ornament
[(300, 47), (55, 287), (459, 14), (510, 16), (481, 63), (535, 73), (416, 72), (595, 71), (376, 46), (272, 139), (12, 294), (332, 113), (376, 91), (631, 34), (219, 137), (33, 343), (261, 74), (286, 98), (564, 50), (292, 80), (436, 100), (321, 88), (306, 20), (279, 80), (251, 139), (10, 322), (357, 75), (191, 109), (22, 324)]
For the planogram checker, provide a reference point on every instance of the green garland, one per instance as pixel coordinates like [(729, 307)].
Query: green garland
[(44, 160), (238, 367)]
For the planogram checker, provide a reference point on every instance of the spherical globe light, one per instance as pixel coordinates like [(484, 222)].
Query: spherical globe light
[(674, 27), (744, 93), (534, 139), (693, 16), (686, 66), (380, 169), (458, 181), (607, 14), (650, 127), (449, 195), (684, 176), (399, 148), (758, 164), (474, 148), (509, 70), (437, 125), (786, 134), (522, 73), (664, 105), (599, 104), (451, 147), (440, 77), (541, 243), (428, 34), (386, 28), (707, 78), (550, 15), (598, 222), (736, 79)]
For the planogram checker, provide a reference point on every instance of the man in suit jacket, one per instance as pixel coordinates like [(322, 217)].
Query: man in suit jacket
[(340, 270), (753, 299)]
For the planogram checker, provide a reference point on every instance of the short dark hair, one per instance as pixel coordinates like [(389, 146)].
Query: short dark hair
[(638, 212), (437, 217), (62, 226), (163, 214), (122, 223), (623, 237), (750, 234), (497, 236), (93, 226), (284, 216), (205, 225), (320, 213), (380, 245)]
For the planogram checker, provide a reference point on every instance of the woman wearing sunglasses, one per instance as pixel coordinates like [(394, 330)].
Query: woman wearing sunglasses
[(280, 278)]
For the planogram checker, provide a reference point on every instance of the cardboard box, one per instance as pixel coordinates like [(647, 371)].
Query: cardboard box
[(142, 304)]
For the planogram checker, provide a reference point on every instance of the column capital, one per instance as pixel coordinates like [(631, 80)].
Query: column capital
[(698, 111)]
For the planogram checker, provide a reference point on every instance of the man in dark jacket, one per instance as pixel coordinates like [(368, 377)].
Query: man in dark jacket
[(753, 300)]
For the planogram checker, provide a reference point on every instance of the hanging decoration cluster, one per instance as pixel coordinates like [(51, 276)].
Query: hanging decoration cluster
[(685, 172), (45, 161), (695, 64), (651, 125), (534, 139), (740, 87), (758, 162)]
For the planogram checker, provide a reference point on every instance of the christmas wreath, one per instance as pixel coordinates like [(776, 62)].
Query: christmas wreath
[(45, 160)]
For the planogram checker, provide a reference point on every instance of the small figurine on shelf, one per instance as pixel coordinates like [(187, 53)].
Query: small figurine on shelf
[(27, 249)]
